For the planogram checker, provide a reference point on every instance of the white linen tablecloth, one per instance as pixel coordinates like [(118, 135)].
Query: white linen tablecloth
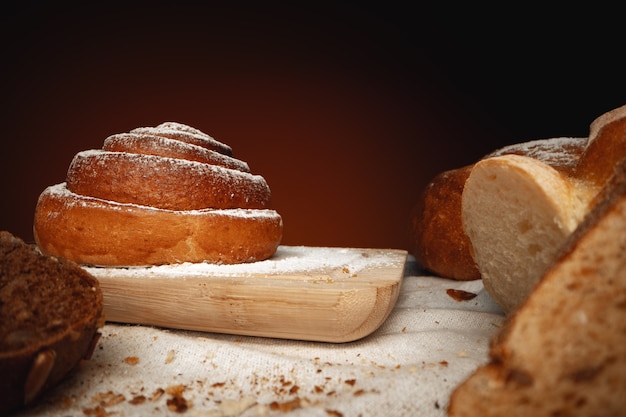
[(407, 367)]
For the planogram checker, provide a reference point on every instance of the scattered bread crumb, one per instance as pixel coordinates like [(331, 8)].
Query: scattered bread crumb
[(131, 360), (460, 295)]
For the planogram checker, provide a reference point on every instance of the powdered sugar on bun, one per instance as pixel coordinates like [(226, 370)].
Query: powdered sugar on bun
[(70, 199), (162, 182), (187, 134), (158, 195), (93, 231), (143, 143)]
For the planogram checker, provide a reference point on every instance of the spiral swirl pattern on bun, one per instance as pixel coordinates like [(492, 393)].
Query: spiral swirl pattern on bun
[(158, 195)]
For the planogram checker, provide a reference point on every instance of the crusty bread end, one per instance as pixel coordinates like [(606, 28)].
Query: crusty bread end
[(563, 351)]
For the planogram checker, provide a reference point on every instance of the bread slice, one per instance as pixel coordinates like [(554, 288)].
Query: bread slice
[(50, 311), (517, 211), (436, 235), (563, 352)]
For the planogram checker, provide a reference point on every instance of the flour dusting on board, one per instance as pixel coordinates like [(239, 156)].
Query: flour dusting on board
[(286, 260)]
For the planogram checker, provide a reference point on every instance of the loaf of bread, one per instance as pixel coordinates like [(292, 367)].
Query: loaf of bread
[(563, 351), (437, 238), (50, 312), (436, 235), (158, 195), (517, 211)]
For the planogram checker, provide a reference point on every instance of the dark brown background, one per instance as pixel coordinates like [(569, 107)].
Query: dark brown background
[(347, 109)]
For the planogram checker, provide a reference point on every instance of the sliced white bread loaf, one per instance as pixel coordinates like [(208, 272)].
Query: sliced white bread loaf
[(563, 351), (517, 211)]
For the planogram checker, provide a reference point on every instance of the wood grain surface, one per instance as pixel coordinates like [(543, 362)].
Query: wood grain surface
[(304, 293)]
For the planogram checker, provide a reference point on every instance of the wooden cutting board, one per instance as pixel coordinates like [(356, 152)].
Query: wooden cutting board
[(306, 293)]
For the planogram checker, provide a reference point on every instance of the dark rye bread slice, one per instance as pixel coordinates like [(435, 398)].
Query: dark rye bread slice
[(50, 312), (563, 351)]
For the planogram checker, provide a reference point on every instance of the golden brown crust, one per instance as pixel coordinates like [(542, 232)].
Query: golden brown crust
[(167, 183), (187, 134), (148, 144), (606, 148), (438, 241), (101, 232), (577, 367), (161, 195)]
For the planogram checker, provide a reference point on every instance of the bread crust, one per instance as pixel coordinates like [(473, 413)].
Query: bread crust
[(578, 366), (54, 328), (148, 144), (436, 235), (437, 238), (164, 182), (100, 232), (606, 148), (158, 195), (187, 134)]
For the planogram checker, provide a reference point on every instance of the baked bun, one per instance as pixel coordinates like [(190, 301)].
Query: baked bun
[(50, 312), (158, 195), (437, 238), (562, 352)]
